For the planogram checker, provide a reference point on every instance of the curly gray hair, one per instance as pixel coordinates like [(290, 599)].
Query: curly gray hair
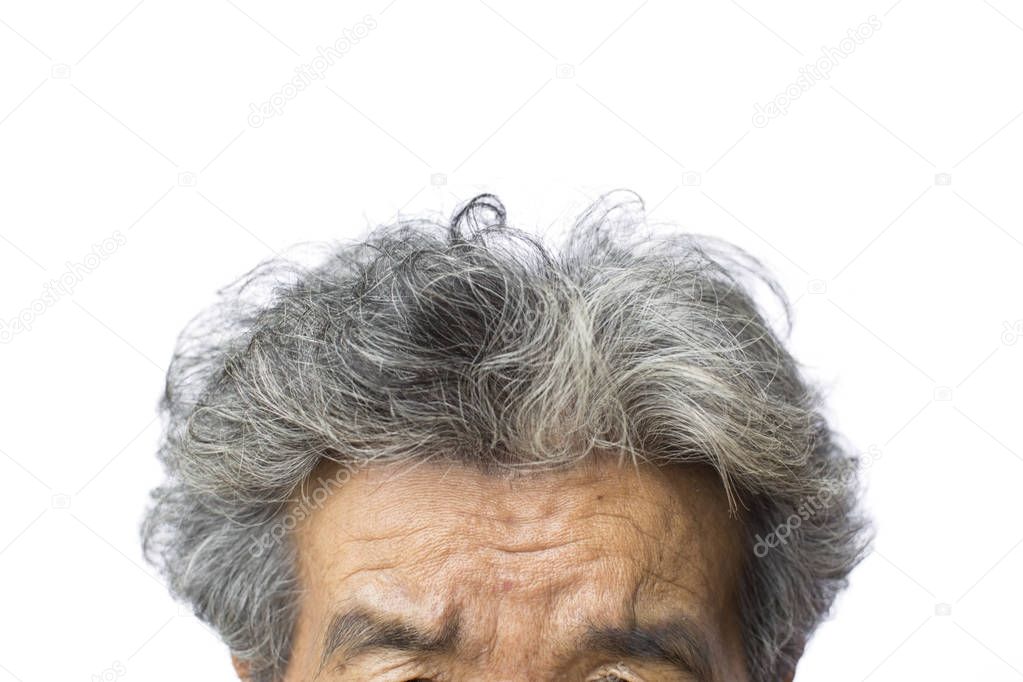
[(472, 341)]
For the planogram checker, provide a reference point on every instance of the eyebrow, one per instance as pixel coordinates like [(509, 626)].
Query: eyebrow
[(676, 642), (358, 631)]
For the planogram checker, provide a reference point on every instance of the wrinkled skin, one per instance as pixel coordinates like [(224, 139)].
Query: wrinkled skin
[(502, 577)]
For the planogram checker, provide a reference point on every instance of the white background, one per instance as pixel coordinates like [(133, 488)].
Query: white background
[(886, 199)]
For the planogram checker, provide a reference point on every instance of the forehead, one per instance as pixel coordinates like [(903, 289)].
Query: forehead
[(603, 541)]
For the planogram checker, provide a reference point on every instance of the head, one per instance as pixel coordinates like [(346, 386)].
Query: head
[(453, 452)]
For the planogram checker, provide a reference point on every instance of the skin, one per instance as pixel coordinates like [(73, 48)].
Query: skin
[(511, 579)]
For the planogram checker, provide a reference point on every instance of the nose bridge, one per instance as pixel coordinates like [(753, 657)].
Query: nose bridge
[(520, 669), (522, 675), (515, 633)]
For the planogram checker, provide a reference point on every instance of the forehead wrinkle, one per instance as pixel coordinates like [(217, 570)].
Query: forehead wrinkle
[(527, 549), (538, 538), (548, 530), (594, 548)]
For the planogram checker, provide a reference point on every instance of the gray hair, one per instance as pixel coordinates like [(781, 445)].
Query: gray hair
[(473, 342)]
